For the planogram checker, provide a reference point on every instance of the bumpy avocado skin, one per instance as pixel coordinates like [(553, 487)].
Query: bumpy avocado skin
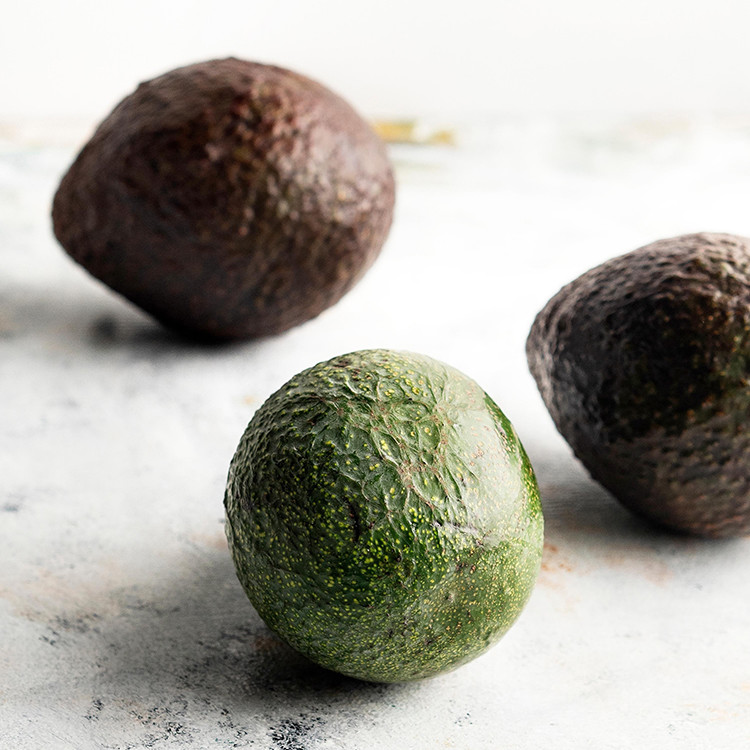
[(229, 199), (643, 363), (383, 516)]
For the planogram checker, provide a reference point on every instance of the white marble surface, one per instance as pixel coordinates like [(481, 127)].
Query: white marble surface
[(122, 624)]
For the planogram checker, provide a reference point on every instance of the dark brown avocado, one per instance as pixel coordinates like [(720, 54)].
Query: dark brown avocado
[(644, 365), (228, 199)]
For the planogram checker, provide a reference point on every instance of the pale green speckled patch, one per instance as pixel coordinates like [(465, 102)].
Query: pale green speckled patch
[(383, 516)]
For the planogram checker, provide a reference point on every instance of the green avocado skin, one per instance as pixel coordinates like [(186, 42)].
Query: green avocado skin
[(643, 365), (383, 517)]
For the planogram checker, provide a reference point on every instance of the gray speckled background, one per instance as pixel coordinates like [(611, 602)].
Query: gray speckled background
[(122, 623)]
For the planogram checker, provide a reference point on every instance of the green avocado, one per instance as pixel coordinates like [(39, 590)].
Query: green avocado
[(643, 363), (383, 517)]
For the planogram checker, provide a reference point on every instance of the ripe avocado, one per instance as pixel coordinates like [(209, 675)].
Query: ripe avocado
[(643, 365), (229, 199), (383, 517)]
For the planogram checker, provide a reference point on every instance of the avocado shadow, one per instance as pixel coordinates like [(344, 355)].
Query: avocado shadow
[(124, 331), (572, 501), (192, 643), (585, 518), (91, 317)]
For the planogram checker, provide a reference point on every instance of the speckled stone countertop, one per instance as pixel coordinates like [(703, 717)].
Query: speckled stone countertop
[(122, 623)]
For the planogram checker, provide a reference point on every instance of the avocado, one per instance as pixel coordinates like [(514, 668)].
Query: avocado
[(643, 363), (229, 199), (383, 517)]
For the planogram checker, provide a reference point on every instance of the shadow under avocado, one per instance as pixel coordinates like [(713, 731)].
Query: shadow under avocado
[(109, 330), (578, 511), (194, 645), (96, 319)]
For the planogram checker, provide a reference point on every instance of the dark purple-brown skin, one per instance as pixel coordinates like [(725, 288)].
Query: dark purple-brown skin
[(644, 365), (228, 199)]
